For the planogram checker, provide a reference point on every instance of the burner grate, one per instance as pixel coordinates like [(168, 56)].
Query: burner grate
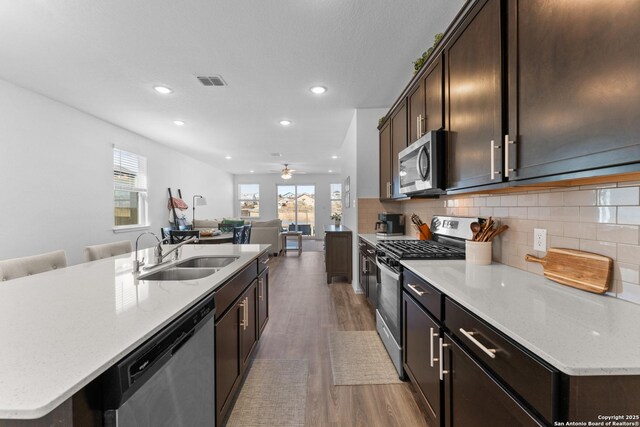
[(421, 249)]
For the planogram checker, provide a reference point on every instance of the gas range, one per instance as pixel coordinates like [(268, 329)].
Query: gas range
[(449, 235)]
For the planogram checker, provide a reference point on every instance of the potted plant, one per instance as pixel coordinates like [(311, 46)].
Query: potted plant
[(336, 217)]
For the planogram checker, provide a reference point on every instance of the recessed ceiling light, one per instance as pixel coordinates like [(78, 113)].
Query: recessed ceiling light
[(227, 157), (285, 122), (330, 171), (163, 90), (251, 171), (334, 157), (318, 90), (178, 122)]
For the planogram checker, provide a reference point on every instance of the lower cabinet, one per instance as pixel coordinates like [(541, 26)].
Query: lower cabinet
[(263, 300), (368, 276), (236, 336), (473, 397), (338, 255), (421, 356)]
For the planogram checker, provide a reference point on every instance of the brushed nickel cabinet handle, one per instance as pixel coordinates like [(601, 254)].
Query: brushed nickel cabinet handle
[(417, 289), (507, 143), (491, 352), (246, 319), (431, 346), (260, 290), (494, 172), (441, 360), (243, 320)]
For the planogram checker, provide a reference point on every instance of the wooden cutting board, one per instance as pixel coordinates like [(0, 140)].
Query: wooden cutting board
[(583, 270)]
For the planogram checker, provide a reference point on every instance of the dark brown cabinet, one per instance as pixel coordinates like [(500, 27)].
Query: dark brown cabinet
[(368, 275), (426, 102), (228, 366), (263, 300), (338, 252), (248, 323), (573, 86), (421, 356), (473, 397), (474, 99), (385, 161), (398, 143), (417, 115)]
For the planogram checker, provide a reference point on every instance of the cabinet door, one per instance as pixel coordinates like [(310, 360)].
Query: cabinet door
[(362, 273), (263, 300), (434, 100), (474, 103), (372, 281), (573, 85), (385, 161), (421, 347), (398, 143), (228, 366), (416, 112), (474, 398), (249, 326)]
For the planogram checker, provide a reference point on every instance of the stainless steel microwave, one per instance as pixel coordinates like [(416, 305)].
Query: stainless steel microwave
[(422, 165)]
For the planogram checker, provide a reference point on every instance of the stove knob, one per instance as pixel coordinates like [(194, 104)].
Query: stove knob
[(379, 254), (393, 263)]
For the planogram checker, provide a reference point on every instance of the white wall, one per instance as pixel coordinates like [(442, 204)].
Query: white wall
[(360, 162), (56, 177), (268, 199)]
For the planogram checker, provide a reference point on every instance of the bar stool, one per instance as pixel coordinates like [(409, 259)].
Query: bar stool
[(26, 266)]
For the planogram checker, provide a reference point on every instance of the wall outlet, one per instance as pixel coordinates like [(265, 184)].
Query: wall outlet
[(540, 239)]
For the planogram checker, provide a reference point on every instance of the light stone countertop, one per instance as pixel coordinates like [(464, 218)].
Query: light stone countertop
[(61, 329), (577, 332)]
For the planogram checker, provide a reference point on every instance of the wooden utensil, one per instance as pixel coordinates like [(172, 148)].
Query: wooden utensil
[(583, 270), (475, 228)]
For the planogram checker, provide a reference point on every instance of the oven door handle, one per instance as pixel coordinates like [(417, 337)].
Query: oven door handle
[(386, 270)]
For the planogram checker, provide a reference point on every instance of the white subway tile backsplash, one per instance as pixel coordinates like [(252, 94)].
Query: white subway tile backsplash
[(551, 199), (603, 248), (598, 214), (600, 218), (619, 196), (580, 198), (617, 233), (629, 215)]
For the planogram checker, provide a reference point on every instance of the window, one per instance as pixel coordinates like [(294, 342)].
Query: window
[(249, 197), (129, 189), (336, 198)]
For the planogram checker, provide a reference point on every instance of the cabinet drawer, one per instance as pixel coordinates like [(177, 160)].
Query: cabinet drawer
[(263, 261), (428, 296), (532, 379), (230, 291)]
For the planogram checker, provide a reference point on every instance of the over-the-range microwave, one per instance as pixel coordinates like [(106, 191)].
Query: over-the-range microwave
[(422, 165)]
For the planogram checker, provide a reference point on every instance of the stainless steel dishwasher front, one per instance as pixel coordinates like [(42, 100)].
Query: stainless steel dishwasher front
[(169, 380)]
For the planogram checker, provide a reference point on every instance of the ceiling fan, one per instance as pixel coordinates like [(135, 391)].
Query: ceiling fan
[(286, 172)]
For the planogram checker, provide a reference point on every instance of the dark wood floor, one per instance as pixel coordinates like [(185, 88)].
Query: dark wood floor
[(303, 309)]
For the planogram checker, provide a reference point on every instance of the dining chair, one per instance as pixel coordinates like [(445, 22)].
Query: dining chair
[(107, 250), (165, 232), (246, 234), (26, 266), (238, 232), (179, 236)]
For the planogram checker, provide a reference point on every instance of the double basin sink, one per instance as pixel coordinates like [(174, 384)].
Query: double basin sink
[(191, 269)]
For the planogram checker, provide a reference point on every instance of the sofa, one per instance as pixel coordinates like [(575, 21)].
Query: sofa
[(267, 233)]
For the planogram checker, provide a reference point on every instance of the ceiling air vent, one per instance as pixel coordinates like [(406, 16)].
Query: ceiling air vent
[(212, 80)]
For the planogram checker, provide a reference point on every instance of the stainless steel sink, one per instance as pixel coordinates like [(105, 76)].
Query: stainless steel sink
[(207, 262), (179, 274)]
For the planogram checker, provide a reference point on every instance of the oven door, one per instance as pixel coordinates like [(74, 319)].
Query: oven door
[(389, 291)]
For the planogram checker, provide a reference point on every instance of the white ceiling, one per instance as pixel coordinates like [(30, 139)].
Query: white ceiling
[(103, 57)]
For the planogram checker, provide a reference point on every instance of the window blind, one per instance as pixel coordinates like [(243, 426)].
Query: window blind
[(129, 171)]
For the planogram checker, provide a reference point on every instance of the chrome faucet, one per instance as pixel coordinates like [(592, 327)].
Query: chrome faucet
[(160, 257), (137, 264)]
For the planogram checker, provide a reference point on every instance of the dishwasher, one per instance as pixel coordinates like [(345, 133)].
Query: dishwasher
[(168, 380)]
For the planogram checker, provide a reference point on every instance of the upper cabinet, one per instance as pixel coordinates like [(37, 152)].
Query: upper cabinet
[(385, 161), (398, 143), (474, 99), (529, 91), (574, 86)]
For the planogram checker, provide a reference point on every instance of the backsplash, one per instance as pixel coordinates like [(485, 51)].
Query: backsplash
[(602, 218)]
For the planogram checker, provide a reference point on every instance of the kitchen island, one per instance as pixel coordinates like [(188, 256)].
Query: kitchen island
[(62, 329)]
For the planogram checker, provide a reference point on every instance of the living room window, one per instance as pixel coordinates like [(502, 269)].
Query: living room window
[(336, 199), (249, 198), (129, 189)]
